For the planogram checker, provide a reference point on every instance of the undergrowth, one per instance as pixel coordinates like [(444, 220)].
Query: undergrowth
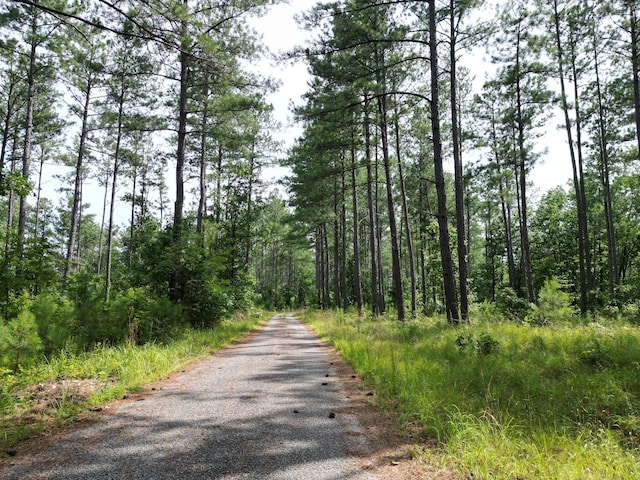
[(111, 371), (505, 400)]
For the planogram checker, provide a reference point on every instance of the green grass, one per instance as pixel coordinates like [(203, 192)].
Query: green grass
[(114, 370), (505, 401)]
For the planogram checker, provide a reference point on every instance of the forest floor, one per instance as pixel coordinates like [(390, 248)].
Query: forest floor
[(223, 418)]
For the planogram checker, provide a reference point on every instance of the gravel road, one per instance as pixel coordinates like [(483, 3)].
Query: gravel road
[(268, 408)]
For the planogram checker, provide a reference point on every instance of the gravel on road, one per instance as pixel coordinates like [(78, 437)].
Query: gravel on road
[(268, 408)]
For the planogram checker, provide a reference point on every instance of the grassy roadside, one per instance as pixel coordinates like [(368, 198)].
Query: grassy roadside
[(59, 389), (505, 401)]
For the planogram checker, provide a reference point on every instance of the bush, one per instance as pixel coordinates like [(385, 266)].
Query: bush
[(54, 316), (20, 344), (484, 345), (512, 306), (553, 305)]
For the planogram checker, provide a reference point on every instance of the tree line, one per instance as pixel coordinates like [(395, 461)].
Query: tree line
[(414, 185), (155, 106)]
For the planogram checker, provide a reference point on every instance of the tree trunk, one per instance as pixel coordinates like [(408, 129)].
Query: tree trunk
[(114, 187), (28, 136), (202, 203), (522, 177), (405, 215), (396, 271), (612, 255), (463, 267), (343, 234), (581, 212), (451, 301), (175, 277), (77, 192), (375, 301), (581, 181), (635, 40), (357, 280)]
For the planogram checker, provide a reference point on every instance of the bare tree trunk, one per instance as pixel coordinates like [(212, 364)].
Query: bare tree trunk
[(105, 198), (114, 188), (77, 193), (396, 271), (375, 301), (451, 301), (176, 271), (463, 267), (343, 234), (405, 215), (357, 280), (39, 190), (524, 224), (202, 203), (28, 136), (635, 40), (581, 182), (337, 290), (581, 211), (606, 184)]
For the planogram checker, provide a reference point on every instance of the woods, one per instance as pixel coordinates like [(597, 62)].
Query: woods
[(409, 190), (146, 105), (424, 220), (465, 148)]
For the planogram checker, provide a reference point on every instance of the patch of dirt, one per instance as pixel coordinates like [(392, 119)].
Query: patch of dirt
[(54, 394)]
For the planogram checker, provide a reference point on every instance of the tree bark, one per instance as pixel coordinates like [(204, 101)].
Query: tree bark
[(357, 280), (405, 215), (522, 177), (451, 301), (28, 136), (77, 192), (375, 301), (612, 255), (396, 271), (581, 211), (463, 266), (175, 277)]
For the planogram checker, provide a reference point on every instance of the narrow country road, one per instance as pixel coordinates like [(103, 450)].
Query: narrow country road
[(268, 408)]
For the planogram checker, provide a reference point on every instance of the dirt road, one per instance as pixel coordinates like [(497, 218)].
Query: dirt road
[(268, 408)]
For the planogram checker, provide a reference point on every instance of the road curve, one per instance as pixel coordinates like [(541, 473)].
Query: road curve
[(268, 408)]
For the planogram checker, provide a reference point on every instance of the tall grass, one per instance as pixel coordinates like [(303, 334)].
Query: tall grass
[(504, 400), (115, 370)]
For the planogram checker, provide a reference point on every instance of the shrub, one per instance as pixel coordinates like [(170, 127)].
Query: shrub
[(484, 345), (511, 305), (20, 344), (553, 305), (54, 316)]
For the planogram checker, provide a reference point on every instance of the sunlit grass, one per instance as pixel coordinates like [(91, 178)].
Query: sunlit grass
[(505, 400), (115, 370)]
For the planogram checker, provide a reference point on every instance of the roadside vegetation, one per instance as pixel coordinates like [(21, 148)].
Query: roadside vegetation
[(504, 399), (56, 390)]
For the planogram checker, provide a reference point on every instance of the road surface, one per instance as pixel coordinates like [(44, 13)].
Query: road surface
[(267, 408)]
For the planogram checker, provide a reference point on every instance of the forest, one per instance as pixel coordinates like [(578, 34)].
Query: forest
[(412, 175), (408, 190), (409, 196)]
